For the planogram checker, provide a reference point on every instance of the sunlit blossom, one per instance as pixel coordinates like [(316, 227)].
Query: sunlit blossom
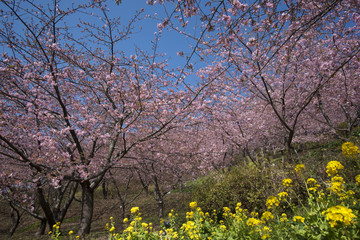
[(339, 214), (272, 202), (298, 219), (283, 195), (299, 168), (349, 149), (253, 222), (193, 205), (357, 179), (266, 216), (333, 168), (287, 182), (134, 210)]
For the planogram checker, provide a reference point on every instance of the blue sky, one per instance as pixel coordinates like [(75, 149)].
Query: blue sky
[(170, 42)]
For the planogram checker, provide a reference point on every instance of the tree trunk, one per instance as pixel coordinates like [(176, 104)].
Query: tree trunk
[(87, 207), (15, 217), (104, 189), (66, 205), (161, 208), (159, 198), (180, 185), (45, 207), (42, 227), (123, 206), (291, 155)]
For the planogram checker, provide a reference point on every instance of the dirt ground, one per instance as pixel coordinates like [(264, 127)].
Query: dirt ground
[(103, 210)]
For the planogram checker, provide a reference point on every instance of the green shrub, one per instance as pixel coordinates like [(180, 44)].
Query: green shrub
[(245, 184)]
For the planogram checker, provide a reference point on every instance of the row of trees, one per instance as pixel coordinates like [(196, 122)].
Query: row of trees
[(74, 107)]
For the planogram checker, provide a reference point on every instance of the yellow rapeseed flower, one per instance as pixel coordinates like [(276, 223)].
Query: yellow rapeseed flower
[(267, 229), (311, 181), (333, 167), (357, 179), (283, 195), (312, 184), (71, 232), (272, 202), (254, 214), (193, 205), (349, 149), (298, 219), (266, 216), (265, 236), (129, 229), (226, 209), (337, 185), (339, 214), (134, 210), (287, 182), (253, 222), (283, 218), (112, 229), (299, 168), (126, 220)]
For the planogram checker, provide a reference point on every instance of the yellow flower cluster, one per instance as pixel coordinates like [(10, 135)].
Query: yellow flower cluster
[(298, 219), (337, 184), (253, 222), (191, 229), (299, 168), (357, 179), (287, 182), (134, 210), (189, 215), (349, 149), (312, 184), (333, 167), (57, 225), (226, 209), (266, 216), (337, 215), (283, 195), (266, 232), (193, 205), (284, 218), (272, 202)]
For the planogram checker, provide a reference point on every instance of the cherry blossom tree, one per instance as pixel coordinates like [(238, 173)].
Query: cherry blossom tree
[(295, 58), (72, 106), (166, 161)]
